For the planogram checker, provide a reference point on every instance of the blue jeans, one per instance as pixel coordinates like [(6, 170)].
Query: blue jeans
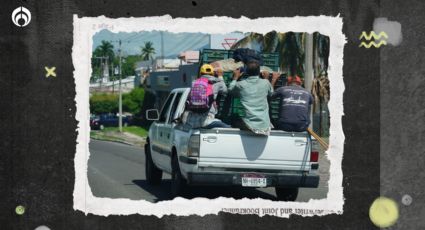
[(217, 124), (301, 127)]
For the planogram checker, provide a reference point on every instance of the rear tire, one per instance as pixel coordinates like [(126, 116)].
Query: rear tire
[(286, 194), (178, 183), (153, 173)]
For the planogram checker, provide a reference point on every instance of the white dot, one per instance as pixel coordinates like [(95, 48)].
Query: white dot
[(42, 227), (406, 199)]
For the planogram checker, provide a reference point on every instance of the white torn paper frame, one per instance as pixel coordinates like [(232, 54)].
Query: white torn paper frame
[(84, 30)]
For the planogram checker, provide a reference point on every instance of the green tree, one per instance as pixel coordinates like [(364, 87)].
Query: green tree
[(323, 47), (293, 55), (148, 51), (133, 101), (103, 103), (129, 64), (105, 49), (108, 102), (96, 73), (320, 88)]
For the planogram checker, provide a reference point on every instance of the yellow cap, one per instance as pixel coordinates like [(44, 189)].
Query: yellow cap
[(207, 69)]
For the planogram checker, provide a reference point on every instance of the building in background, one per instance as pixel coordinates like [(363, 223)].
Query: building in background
[(142, 69), (224, 41), (190, 56), (127, 84)]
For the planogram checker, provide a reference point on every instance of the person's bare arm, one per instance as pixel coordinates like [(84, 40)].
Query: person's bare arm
[(232, 89), (265, 75), (275, 77), (237, 74)]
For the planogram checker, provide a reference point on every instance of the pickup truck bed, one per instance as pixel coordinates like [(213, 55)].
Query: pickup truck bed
[(228, 155)]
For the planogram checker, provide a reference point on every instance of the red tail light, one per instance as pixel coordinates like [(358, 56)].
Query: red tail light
[(314, 156)]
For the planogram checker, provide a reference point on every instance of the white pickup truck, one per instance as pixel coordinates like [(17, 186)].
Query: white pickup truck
[(226, 156)]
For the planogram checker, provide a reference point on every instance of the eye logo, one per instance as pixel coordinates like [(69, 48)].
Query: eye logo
[(21, 16)]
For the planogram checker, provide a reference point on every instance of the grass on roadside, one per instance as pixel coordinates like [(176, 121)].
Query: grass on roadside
[(136, 130), (103, 136)]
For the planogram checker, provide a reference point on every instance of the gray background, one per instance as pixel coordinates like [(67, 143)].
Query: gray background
[(382, 123), (403, 113)]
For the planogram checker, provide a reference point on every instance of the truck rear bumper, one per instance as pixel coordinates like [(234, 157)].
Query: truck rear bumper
[(235, 178)]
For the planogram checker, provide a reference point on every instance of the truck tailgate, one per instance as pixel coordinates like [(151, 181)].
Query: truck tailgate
[(235, 149)]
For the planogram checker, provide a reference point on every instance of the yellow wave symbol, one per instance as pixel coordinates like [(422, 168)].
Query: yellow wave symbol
[(372, 43), (372, 34)]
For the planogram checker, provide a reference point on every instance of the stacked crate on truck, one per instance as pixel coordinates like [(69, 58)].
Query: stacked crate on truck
[(212, 55), (230, 108)]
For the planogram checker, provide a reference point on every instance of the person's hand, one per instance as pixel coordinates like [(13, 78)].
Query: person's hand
[(275, 76), (219, 72), (265, 75), (237, 74)]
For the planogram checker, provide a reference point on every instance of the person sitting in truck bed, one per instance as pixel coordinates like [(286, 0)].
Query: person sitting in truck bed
[(295, 105), (253, 92), (206, 119), (219, 86)]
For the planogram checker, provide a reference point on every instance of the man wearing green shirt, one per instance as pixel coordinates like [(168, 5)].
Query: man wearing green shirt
[(253, 92)]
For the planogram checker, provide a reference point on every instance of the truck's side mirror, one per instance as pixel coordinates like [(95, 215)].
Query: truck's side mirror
[(152, 115)]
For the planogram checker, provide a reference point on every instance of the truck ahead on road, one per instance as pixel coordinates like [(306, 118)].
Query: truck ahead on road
[(226, 156)]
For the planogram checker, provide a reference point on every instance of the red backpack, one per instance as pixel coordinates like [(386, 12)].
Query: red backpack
[(200, 93)]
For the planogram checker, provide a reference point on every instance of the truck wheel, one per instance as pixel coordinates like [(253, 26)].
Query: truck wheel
[(286, 194), (153, 173), (178, 183)]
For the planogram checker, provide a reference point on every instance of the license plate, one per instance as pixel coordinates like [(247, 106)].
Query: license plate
[(254, 182)]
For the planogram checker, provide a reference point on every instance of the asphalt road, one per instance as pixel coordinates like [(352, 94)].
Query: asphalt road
[(117, 171)]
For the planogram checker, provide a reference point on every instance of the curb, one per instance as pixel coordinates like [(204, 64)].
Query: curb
[(117, 141)]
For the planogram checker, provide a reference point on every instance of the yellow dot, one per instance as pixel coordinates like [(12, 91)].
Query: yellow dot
[(20, 210), (383, 212)]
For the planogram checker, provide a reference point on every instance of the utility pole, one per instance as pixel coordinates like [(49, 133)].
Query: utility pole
[(102, 73), (120, 93), (308, 75), (162, 48), (112, 76), (102, 64)]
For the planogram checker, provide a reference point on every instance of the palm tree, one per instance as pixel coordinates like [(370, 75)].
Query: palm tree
[(292, 53), (320, 88), (147, 51), (106, 49), (252, 41)]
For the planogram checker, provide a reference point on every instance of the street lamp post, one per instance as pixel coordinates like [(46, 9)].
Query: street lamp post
[(120, 93)]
